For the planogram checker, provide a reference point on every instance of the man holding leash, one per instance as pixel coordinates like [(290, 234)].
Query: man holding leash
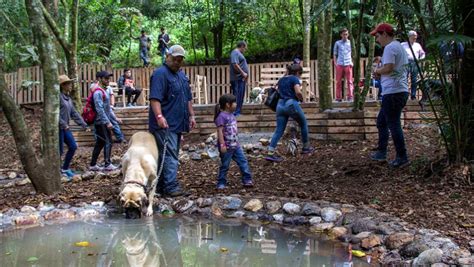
[(171, 114)]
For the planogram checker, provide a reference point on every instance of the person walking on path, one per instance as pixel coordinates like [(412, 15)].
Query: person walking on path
[(145, 44), (394, 95), (289, 106), (102, 124), (343, 60), (66, 113), (418, 54), (163, 42), (227, 138), (171, 114), (239, 73)]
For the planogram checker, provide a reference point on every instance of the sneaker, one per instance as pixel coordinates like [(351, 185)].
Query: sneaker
[(110, 167), (95, 168), (129, 104), (378, 156), (67, 172), (221, 187), (338, 100), (274, 158), (399, 162), (248, 183), (307, 150), (134, 104)]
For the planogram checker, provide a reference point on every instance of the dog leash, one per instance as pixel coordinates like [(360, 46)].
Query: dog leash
[(160, 170)]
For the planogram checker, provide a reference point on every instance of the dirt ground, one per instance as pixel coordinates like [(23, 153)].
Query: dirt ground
[(426, 193)]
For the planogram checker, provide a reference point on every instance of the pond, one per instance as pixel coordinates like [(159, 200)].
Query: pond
[(163, 241)]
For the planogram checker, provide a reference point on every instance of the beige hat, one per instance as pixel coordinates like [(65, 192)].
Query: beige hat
[(176, 50), (64, 79)]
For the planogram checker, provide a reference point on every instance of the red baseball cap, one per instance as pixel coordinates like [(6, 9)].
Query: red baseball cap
[(382, 27)]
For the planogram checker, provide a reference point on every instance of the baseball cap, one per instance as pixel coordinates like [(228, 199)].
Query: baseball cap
[(382, 27), (412, 33), (176, 50), (103, 74), (64, 79)]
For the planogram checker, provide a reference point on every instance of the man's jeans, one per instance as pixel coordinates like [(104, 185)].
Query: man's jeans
[(65, 136), (238, 156), (168, 182), (238, 89), (163, 51), (117, 131), (413, 72), (287, 108), (144, 56), (346, 72), (389, 120), (103, 140)]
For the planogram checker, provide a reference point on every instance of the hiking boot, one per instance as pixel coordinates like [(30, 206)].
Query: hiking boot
[(95, 168), (307, 150), (67, 172), (248, 183), (110, 167), (274, 158), (399, 162), (378, 156)]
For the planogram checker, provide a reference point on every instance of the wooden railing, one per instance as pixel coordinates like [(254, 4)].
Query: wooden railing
[(218, 80)]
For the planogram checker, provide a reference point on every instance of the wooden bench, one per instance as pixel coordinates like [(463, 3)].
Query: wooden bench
[(270, 77)]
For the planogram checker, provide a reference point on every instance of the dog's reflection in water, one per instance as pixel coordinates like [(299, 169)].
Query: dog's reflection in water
[(133, 213), (143, 249)]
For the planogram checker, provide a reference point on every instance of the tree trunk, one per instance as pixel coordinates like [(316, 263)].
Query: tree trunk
[(206, 45), (358, 45), (192, 29), (218, 33), (307, 32), (324, 26)]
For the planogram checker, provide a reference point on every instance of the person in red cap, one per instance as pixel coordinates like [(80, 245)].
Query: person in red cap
[(394, 95)]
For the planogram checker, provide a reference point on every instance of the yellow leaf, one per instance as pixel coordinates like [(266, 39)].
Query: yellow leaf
[(224, 250), (358, 253), (82, 244)]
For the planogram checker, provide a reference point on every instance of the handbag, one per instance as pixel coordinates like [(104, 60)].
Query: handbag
[(272, 99)]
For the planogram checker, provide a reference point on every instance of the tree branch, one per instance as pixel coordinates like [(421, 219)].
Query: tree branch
[(55, 29), (13, 25)]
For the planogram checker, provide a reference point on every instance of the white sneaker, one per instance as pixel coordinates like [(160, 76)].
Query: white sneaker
[(110, 167), (95, 168)]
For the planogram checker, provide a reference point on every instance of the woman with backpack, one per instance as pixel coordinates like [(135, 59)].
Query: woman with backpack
[(67, 112)]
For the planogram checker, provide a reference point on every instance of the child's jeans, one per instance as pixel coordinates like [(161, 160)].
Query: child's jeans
[(238, 156)]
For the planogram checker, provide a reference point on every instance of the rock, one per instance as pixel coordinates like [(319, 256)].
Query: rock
[(26, 219), (348, 208), (192, 149), (185, 147), (336, 232), (392, 258), (88, 213), (216, 211), (24, 181), (273, 206), (88, 175), (278, 217), (213, 153), (265, 217), (63, 206), (291, 208), (76, 178), (60, 214), (8, 185), (45, 208), (363, 225), (363, 235), (264, 141), (204, 212), (162, 207), (253, 205), (204, 155), (27, 209), (236, 214), (229, 203), (439, 264), (345, 238), (469, 261), (330, 214), (371, 241), (184, 157), (64, 179), (471, 245), (11, 212), (209, 140), (204, 202), (202, 145), (247, 147), (113, 174), (321, 227), (295, 220), (315, 220), (3, 177), (12, 175), (182, 205), (310, 209), (98, 204), (99, 175), (397, 240), (195, 156), (413, 249), (428, 257)]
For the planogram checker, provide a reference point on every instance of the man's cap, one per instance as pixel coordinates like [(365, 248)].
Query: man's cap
[(412, 33), (382, 27), (176, 50), (103, 74), (64, 79)]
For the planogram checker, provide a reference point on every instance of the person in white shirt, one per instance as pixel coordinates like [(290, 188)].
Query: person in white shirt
[(418, 54)]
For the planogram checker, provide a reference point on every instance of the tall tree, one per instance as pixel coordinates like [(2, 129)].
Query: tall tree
[(307, 32), (41, 166), (324, 25), (218, 32), (358, 48)]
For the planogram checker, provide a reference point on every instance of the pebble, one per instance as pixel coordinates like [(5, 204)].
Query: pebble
[(12, 175), (273, 206)]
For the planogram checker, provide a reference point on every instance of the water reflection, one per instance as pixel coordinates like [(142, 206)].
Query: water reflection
[(180, 241)]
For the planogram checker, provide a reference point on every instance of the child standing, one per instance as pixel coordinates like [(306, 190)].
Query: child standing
[(228, 143)]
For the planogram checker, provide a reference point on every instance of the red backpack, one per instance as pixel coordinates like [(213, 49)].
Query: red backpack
[(88, 113)]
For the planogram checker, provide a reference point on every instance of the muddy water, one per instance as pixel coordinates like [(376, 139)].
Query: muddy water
[(180, 241)]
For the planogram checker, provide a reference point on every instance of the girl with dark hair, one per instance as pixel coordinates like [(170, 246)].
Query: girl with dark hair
[(228, 143), (289, 106)]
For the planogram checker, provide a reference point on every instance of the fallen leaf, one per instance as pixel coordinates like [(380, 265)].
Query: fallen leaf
[(32, 259), (224, 250), (82, 244), (358, 253)]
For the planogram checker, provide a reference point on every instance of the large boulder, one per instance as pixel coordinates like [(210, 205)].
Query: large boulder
[(428, 257), (292, 208), (253, 205), (397, 240)]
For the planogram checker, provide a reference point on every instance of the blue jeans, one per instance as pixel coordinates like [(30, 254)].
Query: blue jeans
[(413, 72), (287, 108), (377, 84), (65, 136), (163, 51), (168, 182), (117, 131), (238, 156), (238, 89), (144, 56), (389, 120)]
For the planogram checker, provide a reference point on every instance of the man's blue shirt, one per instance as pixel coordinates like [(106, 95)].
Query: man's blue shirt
[(172, 90)]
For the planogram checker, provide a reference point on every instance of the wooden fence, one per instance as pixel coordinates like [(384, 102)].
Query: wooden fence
[(25, 85)]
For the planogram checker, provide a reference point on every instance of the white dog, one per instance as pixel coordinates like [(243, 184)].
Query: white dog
[(139, 166)]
